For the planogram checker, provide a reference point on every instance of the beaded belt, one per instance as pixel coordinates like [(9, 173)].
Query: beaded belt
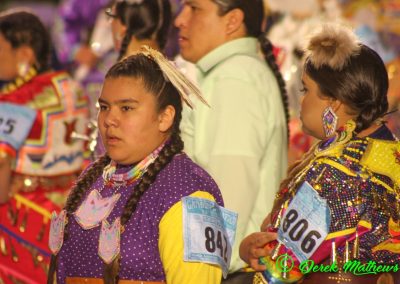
[(27, 183), (82, 280)]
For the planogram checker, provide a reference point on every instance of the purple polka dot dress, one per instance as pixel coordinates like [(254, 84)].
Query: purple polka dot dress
[(140, 259)]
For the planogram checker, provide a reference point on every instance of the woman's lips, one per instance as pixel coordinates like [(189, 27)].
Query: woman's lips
[(112, 140)]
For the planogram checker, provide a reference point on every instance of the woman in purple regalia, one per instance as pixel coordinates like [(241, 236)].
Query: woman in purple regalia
[(125, 220)]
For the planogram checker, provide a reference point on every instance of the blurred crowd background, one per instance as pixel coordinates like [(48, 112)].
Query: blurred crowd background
[(83, 41)]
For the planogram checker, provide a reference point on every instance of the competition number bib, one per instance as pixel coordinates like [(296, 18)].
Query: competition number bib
[(15, 124), (209, 232), (305, 223)]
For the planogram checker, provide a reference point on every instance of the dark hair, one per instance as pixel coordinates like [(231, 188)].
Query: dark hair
[(23, 28), (144, 20), (361, 85), (137, 66), (253, 11)]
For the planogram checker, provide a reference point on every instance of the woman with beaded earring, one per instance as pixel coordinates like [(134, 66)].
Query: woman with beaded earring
[(39, 161), (131, 218), (339, 205), (139, 22)]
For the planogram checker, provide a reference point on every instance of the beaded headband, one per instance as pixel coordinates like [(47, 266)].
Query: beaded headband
[(184, 86), (332, 45)]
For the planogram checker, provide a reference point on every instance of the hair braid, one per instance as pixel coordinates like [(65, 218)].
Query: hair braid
[(124, 45), (84, 182), (75, 198), (167, 153), (269, 56)]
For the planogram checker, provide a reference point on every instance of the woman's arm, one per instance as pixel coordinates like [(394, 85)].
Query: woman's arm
[(5, 177), (171, 247)]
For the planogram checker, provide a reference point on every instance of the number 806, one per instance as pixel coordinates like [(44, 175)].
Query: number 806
[(297, 228)]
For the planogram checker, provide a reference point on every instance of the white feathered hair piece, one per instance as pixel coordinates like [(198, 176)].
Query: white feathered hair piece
[(332, 45), (184, 86)]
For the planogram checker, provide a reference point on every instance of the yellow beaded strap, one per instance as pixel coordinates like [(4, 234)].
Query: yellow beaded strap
[(383, 157), (18, 82), (340, 141)]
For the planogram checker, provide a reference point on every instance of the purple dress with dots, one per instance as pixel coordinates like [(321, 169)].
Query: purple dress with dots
[(140, 258)]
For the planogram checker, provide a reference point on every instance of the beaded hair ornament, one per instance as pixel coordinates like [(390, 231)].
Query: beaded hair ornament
[(184, 86)]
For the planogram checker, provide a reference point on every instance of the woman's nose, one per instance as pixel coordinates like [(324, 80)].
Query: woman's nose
[(111, 119)]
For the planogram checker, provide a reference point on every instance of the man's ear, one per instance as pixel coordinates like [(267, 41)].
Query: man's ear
[(234, 21), (166, 118), (122, 30)]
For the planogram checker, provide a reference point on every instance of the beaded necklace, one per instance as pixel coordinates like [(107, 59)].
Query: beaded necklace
[(113, 179), (95, 209)]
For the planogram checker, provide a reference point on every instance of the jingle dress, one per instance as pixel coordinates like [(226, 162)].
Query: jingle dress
[(360, 181), (45, 164), (151, 245)]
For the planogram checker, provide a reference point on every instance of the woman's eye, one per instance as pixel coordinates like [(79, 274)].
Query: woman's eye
[(103, 107), (303, 90), (126, 108)]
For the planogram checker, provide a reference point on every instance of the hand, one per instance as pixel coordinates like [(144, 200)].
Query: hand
[(86, 56), (255, 246)]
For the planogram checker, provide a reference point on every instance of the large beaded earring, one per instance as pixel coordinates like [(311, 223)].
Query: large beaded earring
[(23, 69), (329, 121)]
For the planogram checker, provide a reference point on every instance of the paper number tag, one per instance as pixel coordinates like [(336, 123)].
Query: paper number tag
[(209, 232), (15, 124), (305, 223)]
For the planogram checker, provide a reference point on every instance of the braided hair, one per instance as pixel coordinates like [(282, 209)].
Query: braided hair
[(141, 67), (23, 28), (149, 19), (253, 11), (269, 56)]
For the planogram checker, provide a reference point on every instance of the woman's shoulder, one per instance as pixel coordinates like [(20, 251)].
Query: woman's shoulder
[(377, 156), (46, 89), (182, 169), (182, 177)]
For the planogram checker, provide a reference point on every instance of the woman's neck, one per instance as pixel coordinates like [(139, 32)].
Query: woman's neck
[(370, 130)]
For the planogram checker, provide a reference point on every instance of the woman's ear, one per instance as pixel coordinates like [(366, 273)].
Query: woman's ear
[(166, 118), (25, 54)]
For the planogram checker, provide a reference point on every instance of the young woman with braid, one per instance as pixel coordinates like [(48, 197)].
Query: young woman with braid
[(139, 22), (39, 160), (339, 205), (137, 187)]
